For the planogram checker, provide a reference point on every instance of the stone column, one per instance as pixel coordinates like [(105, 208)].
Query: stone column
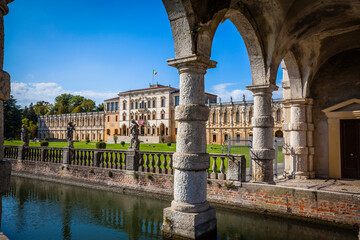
[(190, 215), (5, 166), (300, 148), (309, 139), (262, 153)]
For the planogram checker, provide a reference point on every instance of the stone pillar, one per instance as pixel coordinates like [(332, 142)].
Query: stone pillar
[(262, 153), (132, 160), (190, 215), (299, 161)]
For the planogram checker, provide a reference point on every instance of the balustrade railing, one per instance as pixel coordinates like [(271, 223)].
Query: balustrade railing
[(82, 157), (144, 161), (11, 152), (32, 153), (112, 159), (156, 162), (218, 166), (54, 155)]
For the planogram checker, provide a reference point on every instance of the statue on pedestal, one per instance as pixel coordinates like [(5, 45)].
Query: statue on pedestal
[(24, 136), (69, 134), (134, 130)]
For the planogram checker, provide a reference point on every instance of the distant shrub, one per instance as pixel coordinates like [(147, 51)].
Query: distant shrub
[(87, 140), (162, 139), (122, 143), (136, 175), (101, 145), (168, 144), (44, 144)]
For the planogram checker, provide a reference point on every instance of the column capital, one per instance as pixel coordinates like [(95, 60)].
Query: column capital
[(262, 88), (300, 101), (192, 61)]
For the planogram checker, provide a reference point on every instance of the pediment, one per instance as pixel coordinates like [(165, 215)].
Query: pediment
[(347, 109), (347, 106)]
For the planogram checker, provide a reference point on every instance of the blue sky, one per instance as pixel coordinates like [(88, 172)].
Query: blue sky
[(99, 48)]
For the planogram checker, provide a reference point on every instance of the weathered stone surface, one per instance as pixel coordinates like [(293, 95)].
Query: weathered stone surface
[(4, 85), (191, 112), (188, 225), (191, 161), (5, 171)]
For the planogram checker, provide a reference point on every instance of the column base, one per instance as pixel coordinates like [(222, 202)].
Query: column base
[(262, 171), (183, 225), (299, 175)]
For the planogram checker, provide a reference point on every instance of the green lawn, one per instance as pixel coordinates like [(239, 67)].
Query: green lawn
[(156, 147)]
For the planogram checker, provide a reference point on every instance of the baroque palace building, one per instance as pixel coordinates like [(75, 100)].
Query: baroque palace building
[(153, 108)]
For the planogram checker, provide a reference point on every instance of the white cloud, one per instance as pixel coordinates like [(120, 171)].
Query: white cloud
[(26, 93), (227, 90)]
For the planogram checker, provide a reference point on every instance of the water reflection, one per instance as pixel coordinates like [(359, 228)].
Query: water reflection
[(35, 209)]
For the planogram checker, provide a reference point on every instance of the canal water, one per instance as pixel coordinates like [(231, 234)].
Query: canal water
[(34, 209)]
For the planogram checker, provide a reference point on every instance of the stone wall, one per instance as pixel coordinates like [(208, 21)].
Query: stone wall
[(293, 202), (337, 81)]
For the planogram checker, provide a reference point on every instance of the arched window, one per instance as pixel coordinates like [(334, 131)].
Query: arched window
[(225, 117), (124, 105), (214, 117), (238, 116)]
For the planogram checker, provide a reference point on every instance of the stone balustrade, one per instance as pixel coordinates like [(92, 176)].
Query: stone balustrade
[(223, 166)]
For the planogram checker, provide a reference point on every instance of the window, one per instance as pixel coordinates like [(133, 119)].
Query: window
[(108, 118), (136, 105), (136, 117), (124, 117), (175, 131), (124, 105), (162, 115), (108, 106), (214, 118), (143, 104), (132, 117), (116, 118), (116, 106), (116, 132), (112, 106), (162, 102), (154, 105), (225, 117), (149, 103), (148, 131), (108, 131), (154, 116), (177, 100), (278, 115), (238, 116), (132, 105), (250, 116), (237, 137), (214, 137), (153, 132)]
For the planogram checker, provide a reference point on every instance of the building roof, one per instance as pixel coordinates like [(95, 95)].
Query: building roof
[(111, 99), (206, 93), (150, 88)]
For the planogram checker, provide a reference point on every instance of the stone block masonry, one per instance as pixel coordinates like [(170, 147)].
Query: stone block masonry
[(331, 207)]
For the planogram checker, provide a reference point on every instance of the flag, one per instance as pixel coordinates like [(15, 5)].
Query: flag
[(154, 73)]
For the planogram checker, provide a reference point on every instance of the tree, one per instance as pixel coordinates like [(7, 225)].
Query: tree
[(12, 118), (100, 107), (88, 105), (42, 108), (31, 126)]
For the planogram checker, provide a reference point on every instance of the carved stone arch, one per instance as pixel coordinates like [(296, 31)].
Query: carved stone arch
[(245, 25), (293, 75), (193, 24)]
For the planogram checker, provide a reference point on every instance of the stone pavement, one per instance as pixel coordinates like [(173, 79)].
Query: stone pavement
[(333, 185)]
